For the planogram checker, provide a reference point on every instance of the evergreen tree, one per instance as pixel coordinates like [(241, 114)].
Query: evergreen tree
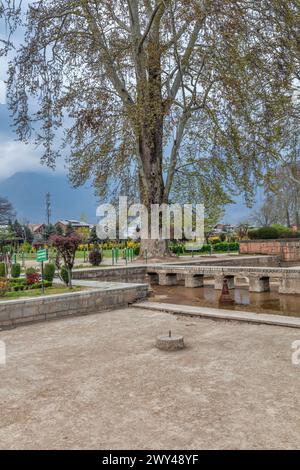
[(49, 230), (93, 236), (59, 230), (69, 229)]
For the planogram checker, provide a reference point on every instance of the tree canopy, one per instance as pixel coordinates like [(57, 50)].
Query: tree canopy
[(154, 93)]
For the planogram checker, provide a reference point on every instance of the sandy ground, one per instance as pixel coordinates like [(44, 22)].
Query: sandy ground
[(98, 382)]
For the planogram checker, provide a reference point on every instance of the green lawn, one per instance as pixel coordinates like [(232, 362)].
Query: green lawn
[(79, 255), (38, 292)]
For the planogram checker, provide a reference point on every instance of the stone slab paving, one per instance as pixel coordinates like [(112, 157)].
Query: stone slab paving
[(98, 382), (222, 314)]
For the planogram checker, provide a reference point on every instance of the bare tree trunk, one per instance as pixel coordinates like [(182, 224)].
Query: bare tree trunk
[(154, 192), (288, 220), (297, 221), (150, 140)]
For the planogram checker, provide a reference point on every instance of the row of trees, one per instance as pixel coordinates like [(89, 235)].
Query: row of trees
[(282, 201)]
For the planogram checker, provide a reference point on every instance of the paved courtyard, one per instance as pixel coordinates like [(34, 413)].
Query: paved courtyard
[(97, 382)]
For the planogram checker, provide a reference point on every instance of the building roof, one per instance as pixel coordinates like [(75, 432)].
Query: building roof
[(35, 227), (74, 223)]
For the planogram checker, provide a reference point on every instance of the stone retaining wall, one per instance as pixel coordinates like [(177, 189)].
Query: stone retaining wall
[(112, 274), (247, 261), (138, 273), (22, 311), (287, 250)]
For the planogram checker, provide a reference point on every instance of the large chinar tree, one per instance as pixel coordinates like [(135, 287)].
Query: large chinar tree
[(176, 97)]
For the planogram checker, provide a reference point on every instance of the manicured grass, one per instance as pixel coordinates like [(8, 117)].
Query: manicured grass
[(79, 255), (38, 292)]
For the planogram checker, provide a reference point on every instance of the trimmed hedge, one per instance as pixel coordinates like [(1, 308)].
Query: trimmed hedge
[(64, 274), (95, 257), (272, 232), (49, 272), (2, 270), (207, 248), (16, 270)]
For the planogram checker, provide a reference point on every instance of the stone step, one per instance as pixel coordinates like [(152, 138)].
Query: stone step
[(221, 314)]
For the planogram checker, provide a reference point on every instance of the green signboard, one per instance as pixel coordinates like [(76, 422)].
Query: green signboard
[(42, 255)]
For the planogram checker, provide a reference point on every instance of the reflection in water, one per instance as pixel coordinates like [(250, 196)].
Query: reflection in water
[(264, 302)]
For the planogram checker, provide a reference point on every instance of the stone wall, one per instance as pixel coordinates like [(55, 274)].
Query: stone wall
[(138, 273), (247, 261), (112, 274), (287, 250), (22, 311)]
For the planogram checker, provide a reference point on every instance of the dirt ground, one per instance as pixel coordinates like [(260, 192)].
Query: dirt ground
[(98, 382)]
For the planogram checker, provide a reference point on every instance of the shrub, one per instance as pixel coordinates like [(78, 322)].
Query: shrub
[(4, 286), (222, 246), (49, 272), (95, 257), (64, 274), (2, 270), (136, 250), (66, 248), (205, 249), (289, 234), (32, 276), (264, 233), (16, 270), (234, 246), (214, 239), (46, 283), (26, 247), (17, 281)]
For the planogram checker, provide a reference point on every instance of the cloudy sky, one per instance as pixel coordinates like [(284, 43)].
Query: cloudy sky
[(14, 155)]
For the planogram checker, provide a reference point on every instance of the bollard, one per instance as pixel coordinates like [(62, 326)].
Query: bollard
[(113, 256)]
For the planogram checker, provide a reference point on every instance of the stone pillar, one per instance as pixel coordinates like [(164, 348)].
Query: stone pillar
[(219, 278), (167, 279), (193, 280), (259, 284), (289, 284)]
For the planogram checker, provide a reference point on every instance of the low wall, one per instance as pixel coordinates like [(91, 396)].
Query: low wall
[(247, 261), (138, 273), (112, 274), (22, 311), (287, 250)]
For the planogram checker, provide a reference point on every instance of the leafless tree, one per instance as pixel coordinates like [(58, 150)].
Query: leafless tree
[(6, 211)]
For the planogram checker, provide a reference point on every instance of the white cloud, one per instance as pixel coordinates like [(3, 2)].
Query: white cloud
[(2, 92), (17, 156)]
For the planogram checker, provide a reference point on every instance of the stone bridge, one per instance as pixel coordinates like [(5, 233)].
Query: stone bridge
[(258, 277)]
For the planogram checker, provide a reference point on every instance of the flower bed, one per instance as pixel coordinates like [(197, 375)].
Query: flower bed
[(20, 284)]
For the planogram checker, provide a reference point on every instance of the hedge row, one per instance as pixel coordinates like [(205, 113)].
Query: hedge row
[(217, 247), (268, 233)]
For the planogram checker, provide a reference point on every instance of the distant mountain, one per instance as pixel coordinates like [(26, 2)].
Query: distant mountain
[(27, 191)]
